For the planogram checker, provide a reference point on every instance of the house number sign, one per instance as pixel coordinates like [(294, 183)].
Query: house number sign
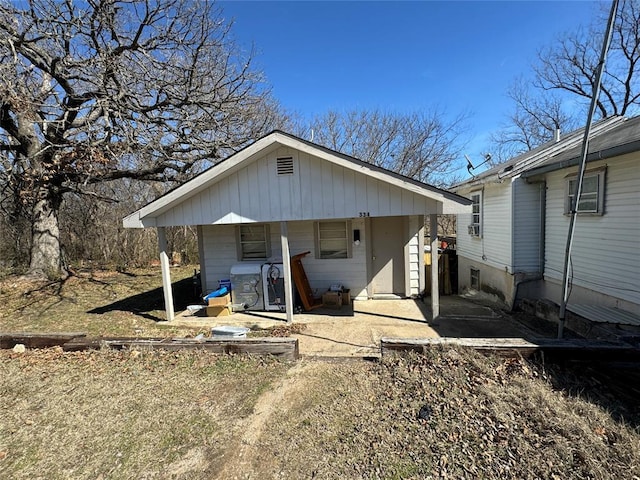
[(364, 214)]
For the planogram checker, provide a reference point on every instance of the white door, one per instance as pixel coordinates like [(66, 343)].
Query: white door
[(387, 249)]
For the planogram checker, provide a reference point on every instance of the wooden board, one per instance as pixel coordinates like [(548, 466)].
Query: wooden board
[(37, 340), (309, 302), (575, 349), (284, 348)]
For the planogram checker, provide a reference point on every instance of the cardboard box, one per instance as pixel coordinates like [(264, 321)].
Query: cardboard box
[(332, 300), (346, 297), (218, 311), (222, 301)]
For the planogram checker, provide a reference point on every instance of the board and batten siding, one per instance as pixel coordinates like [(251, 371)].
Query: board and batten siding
[(493, 247), (220, 254), (528, 217), (606, 249), (317, 189)]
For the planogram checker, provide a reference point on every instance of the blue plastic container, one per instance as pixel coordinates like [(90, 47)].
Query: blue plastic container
[(217, 293)]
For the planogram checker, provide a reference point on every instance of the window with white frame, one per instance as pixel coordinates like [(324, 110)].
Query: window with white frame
[(253, 242), (332, 239), (475, 228), (592, 195)]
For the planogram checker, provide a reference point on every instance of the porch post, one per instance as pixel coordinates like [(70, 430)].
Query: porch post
[(286, 264), (422, 279), (201, 256), (435, 286), (166, 275)]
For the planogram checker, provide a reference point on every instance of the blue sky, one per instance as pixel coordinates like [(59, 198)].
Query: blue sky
[(402, 56)]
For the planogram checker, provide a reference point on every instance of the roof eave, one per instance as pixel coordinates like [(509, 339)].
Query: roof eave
[(145, 216), (604, 154)]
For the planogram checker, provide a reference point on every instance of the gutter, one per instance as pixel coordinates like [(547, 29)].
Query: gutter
[(592, 157)]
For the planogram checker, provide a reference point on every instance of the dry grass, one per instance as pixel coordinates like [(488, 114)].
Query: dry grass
[(106, 414), (485, 418), (98, 302)]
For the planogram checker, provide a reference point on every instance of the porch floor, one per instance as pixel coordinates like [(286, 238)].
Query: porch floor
[(356, 330)]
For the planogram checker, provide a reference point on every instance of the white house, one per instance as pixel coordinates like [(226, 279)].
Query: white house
[(513, 244), (282, 195)]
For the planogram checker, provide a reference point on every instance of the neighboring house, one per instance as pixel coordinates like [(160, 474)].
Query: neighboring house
[(513, 244), (282, 196)]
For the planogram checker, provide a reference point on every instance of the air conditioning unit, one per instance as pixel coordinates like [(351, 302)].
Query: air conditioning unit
[(474, 230)]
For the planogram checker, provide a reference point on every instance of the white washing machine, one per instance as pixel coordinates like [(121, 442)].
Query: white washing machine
[(273, 286), (246, 286)]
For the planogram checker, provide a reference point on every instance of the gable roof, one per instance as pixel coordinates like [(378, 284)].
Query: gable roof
[(545, 153), (451, 202), (623, 138)]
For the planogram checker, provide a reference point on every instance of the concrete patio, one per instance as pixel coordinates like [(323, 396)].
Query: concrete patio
[(356, 330)]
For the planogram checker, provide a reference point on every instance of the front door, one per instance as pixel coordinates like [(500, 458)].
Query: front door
[(387, 249)]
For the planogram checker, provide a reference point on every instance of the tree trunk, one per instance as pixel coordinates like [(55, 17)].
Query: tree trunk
[(45, 236)]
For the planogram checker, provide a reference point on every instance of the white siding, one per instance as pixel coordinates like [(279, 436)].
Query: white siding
[(605, 255), (220, 254), (318, 189), (494, 246), (528, 202), (414, 256)]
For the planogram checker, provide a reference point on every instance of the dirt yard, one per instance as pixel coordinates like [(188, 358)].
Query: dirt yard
[(192, 415), (450, 414)]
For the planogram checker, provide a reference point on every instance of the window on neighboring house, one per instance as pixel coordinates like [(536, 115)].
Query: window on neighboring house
[(592, 196), (332, 239), (253, 242), (475, 279), (476, 215)]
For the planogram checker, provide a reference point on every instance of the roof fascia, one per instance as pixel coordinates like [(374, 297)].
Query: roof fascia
[(202, 181), (527, 161), (142, 217), (371, 170), (612, 152)]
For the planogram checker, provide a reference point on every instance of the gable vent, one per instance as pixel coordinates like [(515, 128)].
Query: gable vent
[(285, 165)]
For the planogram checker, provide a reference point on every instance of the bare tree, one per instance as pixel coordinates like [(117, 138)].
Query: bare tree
[(534, 120), (97, 91), (423, 146), (564, 76)]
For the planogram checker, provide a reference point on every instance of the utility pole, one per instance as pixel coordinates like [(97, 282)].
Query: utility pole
[(575, 201)]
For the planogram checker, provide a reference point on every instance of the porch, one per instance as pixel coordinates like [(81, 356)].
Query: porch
[(356, 330)]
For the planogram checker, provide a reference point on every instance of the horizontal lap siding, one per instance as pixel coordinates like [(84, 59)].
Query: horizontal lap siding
[(497, 225), (416, 258), (606, 249), (221, 254), (495, 243), (351, 272), (527, 226), (317, 189)]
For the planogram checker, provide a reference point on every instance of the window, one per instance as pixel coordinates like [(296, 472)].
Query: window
[(475, 279), (253, 242), (592, 196), (476, 215), (332, 239)]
